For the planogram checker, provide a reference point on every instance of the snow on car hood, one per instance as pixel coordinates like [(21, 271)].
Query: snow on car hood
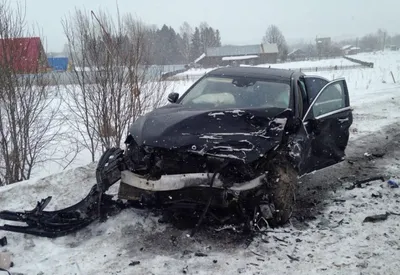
[(237, 134)]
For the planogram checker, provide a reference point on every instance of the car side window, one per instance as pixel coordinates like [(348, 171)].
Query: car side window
[(314, 86), (303, 95), (300, 96), (331, 99)]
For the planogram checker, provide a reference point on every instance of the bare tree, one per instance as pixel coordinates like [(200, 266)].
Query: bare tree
[(274, 35), (186, 32), (29, 125), (370, 42), (115, 85)]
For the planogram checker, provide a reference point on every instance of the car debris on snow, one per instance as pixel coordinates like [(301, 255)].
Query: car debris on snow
[(133, 263), (200, 254), (379, 217), (376, 218), (358, 183), (296, 259), (3, 241)]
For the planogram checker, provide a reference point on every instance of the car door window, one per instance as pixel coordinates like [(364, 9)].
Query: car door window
[(303, 96), (313, 85), (332, 98)]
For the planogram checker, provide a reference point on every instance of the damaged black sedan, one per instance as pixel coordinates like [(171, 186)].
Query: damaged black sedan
[(239, 137), (231, 147)]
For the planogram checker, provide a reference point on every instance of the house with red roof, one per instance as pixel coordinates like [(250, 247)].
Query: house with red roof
[(23, 55)]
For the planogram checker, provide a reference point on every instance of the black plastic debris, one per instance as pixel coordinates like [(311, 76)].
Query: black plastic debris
[(358, 183), (376, 218), (379, 154), (200, 254), (376, 195), (133, 263), (3, 241), (296, 259)]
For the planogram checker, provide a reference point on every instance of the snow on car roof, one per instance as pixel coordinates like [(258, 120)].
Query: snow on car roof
[(241, 57), (258, 72)]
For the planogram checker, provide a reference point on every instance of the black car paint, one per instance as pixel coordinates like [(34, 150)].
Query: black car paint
[(244, 135), (310, 145)]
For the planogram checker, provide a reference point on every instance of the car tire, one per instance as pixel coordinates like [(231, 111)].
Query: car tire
[(282, 193)]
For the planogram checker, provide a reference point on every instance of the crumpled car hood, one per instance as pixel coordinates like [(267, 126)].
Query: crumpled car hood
[(237, 134)]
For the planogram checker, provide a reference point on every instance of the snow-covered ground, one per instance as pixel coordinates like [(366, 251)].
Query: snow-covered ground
[(335, 242), (311, 64), (195, 72)]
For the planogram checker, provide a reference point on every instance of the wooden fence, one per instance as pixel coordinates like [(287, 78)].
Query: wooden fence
[(363, 63)]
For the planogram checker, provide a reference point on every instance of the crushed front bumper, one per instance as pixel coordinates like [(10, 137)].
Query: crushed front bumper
[(191, 188), (180, 181)]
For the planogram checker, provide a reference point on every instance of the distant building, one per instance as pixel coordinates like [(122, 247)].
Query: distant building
[(297, 55), (236, 55), (346, 47), (24, 55), (350, 50), (353, 50), (58, 64)]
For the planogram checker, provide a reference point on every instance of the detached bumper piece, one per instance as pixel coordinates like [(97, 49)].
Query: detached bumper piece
[(59, 223), (96, 205)]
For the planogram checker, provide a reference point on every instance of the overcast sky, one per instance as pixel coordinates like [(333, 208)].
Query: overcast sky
[(239, 21)]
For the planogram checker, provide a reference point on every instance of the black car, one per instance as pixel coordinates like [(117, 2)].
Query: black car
[(230, 148), (238, 136)]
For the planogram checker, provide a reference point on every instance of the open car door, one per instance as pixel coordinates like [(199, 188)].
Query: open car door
[(327, 122)]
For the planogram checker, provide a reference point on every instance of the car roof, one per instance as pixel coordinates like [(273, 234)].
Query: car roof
[(257, 72)]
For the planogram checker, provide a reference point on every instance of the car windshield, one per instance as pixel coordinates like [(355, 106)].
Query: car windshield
[(225, 92)]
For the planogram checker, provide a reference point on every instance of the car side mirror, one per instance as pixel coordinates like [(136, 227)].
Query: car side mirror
[(173, 97)]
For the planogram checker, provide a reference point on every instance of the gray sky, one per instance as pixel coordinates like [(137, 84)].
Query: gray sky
[(239, 21)]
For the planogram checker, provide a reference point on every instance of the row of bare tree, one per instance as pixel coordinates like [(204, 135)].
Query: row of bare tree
[(42, 124)]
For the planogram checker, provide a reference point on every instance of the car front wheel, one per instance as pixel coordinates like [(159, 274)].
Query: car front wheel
[(282, 193)]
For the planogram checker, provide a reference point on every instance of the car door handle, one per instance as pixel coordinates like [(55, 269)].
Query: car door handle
[(342, 120)]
